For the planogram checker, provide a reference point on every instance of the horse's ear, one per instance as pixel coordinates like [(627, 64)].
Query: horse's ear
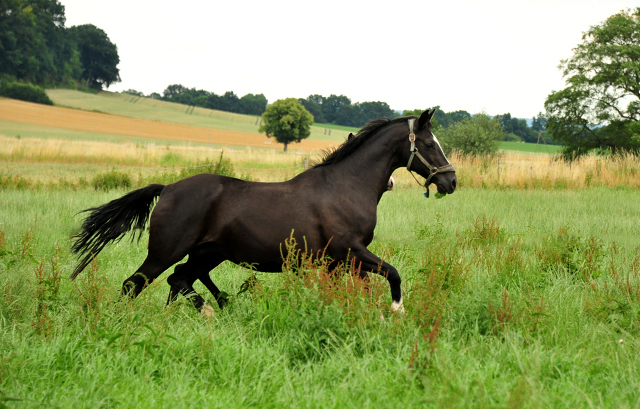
[(350, 136), (425, 118)]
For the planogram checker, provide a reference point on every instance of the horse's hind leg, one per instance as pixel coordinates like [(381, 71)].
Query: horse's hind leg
[(197, 267), (145, 275)]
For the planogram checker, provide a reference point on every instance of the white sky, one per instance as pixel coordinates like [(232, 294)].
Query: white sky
[(491, 55)]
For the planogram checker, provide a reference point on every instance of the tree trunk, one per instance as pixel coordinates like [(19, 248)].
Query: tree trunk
[(285, 146)]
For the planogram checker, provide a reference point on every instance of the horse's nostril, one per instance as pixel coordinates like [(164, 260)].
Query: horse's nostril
[(453, 183)]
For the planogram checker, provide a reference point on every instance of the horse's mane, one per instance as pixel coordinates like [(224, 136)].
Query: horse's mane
[(335, 155)]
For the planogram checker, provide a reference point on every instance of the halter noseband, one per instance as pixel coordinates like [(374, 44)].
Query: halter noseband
[(432, 169)]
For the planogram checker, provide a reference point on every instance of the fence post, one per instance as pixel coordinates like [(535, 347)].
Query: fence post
[(306, 163)]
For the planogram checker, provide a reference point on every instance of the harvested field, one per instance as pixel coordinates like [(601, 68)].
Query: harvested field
[(36, 114)]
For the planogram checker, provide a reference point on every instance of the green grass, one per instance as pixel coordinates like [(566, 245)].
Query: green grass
[(516, 298), (156, 110), (511, 147)]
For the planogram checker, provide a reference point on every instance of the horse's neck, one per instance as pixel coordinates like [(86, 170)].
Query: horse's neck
[(368, 169)]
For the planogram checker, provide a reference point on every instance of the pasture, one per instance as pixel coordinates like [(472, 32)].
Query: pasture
[(509, 303), (522, 289)]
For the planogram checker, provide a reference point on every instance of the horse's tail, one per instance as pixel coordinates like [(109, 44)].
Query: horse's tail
[(111, 221)]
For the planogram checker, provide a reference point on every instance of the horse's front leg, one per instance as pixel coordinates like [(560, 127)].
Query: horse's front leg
[(370, 262)]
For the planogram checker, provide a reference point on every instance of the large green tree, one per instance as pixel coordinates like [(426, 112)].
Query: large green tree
[(287, 121), (34, 45), (600, 107), (98, 55)]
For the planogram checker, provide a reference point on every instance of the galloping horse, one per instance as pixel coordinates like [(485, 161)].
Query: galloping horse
[(212, 218)]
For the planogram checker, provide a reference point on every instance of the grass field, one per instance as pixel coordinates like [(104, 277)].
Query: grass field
[(509, 304), (155, 110), (512, 147), (522, 289)]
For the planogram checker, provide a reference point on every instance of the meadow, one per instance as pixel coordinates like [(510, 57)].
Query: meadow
[(509, 303), (521, 289)]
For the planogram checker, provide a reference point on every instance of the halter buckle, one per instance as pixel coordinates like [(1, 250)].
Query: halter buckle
[(412, 137)]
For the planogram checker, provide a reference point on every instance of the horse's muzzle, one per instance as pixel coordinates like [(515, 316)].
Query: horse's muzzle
[(446, 183)]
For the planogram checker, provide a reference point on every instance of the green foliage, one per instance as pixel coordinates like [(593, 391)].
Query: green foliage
[(338, 109), (600, 107), (250, 104), (478, 135), (111, 180), (36, 47), (567, 252), (133, 92), (98, 55), (517, 127), (441, 118), (511, 138), (25, 92), (287, 121)]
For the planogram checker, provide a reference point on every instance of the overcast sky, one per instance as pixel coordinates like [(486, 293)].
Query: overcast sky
[(496, 56)]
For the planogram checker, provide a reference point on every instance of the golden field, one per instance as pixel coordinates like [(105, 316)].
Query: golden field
[(48, 160), (77, 120)]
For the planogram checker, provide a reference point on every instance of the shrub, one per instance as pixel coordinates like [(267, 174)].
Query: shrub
[(478, 135), (111, 180), (25, 92)]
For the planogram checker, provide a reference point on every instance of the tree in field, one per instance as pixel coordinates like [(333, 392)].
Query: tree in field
[(600, 107), (286, 120), (98, 55), (479, 135)]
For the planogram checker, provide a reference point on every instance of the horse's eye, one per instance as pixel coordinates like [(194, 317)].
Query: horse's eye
[(429, 146)]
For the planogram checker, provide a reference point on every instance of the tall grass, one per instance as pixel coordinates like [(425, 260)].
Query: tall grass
[(544, 172), (508, 304), (82, 159)]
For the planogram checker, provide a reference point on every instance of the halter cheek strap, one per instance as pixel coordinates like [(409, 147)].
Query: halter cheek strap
[(432, 169)]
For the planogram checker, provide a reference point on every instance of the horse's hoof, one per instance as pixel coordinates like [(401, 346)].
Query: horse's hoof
[(397, 306), (207, 311)]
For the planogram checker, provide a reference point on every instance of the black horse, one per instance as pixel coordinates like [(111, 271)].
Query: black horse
[(211, 218)]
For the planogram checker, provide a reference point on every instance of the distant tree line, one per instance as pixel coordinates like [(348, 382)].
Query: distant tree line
[(518, 130), (250, 104), (338, 109), (36, 48)]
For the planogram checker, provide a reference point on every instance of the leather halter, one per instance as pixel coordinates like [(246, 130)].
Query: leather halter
[(432, 169)]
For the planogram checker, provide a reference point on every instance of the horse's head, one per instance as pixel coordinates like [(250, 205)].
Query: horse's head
[(425, 155)]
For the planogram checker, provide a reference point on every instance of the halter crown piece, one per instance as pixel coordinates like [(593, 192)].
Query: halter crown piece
[(432, 169)]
